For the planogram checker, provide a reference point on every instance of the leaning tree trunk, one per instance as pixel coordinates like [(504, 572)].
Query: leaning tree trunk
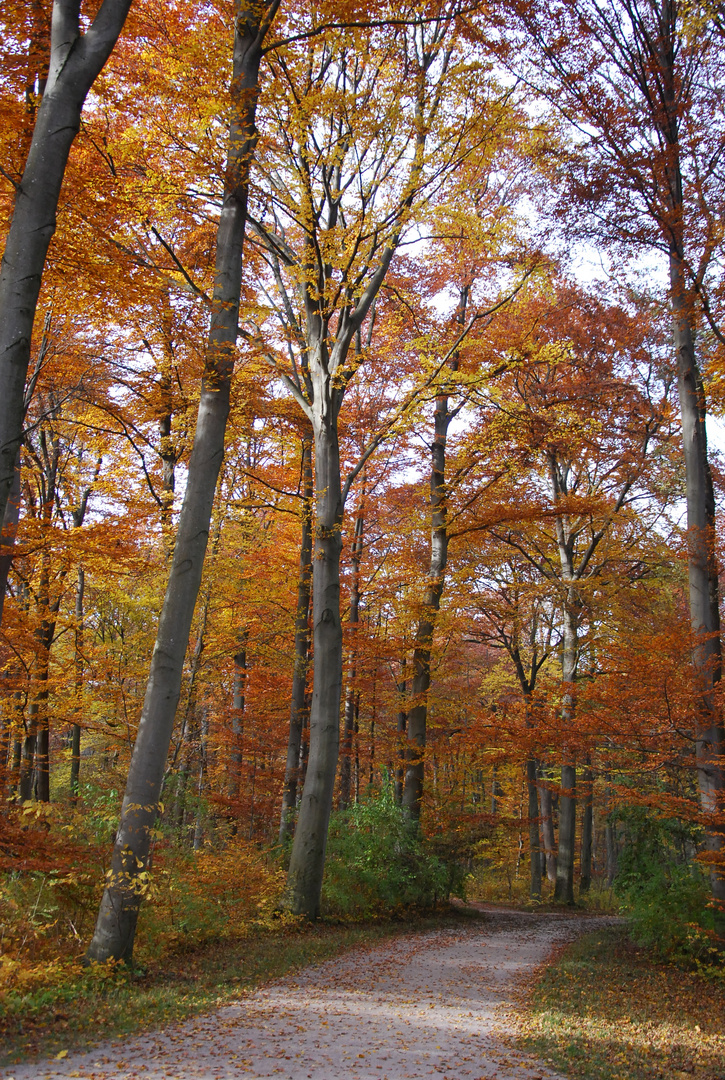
[(702, 574), (75, 62), (307, 861), (118, 914), (302, 650)]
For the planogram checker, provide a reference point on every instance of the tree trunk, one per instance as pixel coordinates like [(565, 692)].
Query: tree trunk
[(118, 914), (401, 728), (26, 781), (534, 843), (418, 713), (307, 861), (238, 706), (75, 759), (349, 723), (585, 877), (702, 571), (547, 828), (39, 708), (75, 62), (9, 532), (564, 888), (302, 650), (165, 417)]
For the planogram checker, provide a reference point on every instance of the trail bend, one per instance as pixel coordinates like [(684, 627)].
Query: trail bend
[(440, 1004)]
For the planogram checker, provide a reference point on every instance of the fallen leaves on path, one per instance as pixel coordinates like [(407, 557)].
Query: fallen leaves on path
[(430, 1005)]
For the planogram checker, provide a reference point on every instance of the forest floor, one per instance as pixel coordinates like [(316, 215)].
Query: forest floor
[(604, 1009), (446, 1002)]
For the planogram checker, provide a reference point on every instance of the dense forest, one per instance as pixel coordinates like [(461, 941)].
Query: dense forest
[(361, 537)]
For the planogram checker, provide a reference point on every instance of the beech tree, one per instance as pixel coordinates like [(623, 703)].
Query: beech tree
[(75, 61), (364, 128), (118, 914), (640, 83)]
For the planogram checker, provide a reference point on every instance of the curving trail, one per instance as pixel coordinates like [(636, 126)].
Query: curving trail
[(439, 1004)]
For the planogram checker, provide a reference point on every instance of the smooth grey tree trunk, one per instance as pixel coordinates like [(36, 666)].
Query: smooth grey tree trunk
[(75, 62), (422, 650), (325, 376), (547, 829), (702, 571), (302, 650), (417, 721), (354, 620), (585, 875), (239, 700), (564, 888), (534, 837), (75, 746), (118, 914), (610, 837), (401, 728), (9, 532), (307, 861)]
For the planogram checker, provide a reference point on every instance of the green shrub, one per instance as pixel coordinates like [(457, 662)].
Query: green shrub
[(666, 895), (376, 862)]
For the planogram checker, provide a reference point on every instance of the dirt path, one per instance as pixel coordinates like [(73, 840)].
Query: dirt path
[(438, 1004)]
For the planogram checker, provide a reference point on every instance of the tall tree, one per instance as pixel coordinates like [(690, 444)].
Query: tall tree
[(423, 646), (640, 81), (333, 209), (76, 60), (118, 913)]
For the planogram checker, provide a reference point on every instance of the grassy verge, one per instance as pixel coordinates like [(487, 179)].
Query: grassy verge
[(80, 1007), (604, 1011)]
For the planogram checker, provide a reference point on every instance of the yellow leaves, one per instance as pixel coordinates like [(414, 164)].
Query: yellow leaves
[(61, 1055)]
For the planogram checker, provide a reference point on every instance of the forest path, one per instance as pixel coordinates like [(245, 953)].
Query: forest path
[(435, 1004)]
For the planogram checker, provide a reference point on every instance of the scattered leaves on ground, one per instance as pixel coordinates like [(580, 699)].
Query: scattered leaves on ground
[(604, 1011)]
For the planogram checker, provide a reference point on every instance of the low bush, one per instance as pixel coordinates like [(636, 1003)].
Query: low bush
[(666, 895), (377, 862)]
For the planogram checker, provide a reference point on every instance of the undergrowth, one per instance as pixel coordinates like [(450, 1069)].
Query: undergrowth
[(208, 928)]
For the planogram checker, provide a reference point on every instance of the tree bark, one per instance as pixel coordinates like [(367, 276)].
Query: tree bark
[(238, 706), (585, 876), (302, 650), (118, 914), (307, 861), (75, 62), (9, 532), (417, 721), (547, 828), (349, 721), (534, 841), (564, 888), (75, 759), (702, 572), (401, 728)]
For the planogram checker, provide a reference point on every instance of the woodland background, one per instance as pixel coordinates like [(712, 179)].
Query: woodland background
[(515, 546)]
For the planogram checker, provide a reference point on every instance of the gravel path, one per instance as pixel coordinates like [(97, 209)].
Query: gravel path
[(437, 1004)]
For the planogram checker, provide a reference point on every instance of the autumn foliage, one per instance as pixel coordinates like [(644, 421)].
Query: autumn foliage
[(404, 198)]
